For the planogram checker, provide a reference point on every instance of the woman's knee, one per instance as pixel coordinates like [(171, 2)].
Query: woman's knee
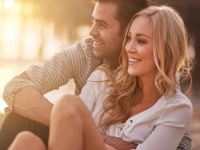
[(25, 137), (69, 106), (26, 140)]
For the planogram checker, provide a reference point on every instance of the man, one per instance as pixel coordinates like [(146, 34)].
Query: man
[(24, 94)]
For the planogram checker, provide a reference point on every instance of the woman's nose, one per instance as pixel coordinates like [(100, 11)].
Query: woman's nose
[(130, 47)]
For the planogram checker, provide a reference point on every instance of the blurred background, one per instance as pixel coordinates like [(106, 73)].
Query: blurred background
[(33, 30)]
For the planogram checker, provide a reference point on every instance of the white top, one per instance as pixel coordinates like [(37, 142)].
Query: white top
[(160, 127)]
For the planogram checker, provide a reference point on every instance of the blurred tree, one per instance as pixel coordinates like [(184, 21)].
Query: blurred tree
[(67, 15)]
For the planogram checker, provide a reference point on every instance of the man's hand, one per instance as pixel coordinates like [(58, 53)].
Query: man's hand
[(117, 143)]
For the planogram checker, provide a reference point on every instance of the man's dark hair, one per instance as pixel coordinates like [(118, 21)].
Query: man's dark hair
[(126, 9)]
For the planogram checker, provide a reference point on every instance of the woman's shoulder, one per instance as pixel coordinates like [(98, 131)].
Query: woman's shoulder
[(176, 108), (179, 104), (178, 98), (98, 75)]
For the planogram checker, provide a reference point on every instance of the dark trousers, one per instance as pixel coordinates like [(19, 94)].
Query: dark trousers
[(14, 123)]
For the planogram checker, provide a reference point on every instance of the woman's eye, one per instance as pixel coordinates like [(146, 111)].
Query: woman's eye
[(141, 41)]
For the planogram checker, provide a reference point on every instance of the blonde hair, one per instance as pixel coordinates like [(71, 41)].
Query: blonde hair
[(171, 57)]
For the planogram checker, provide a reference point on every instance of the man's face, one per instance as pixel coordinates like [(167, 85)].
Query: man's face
[(105, 32)]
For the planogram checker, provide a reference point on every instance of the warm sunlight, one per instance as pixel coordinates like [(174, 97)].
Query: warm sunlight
[(3, 105), (8, 3)]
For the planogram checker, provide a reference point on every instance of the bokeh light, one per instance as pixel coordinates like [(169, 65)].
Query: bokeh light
[(3, 105), (8, 3)]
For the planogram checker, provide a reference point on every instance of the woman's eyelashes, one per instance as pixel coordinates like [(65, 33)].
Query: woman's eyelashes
[(139, 40)]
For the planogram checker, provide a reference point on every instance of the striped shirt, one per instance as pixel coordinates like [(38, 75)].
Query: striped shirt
[(76, 62)]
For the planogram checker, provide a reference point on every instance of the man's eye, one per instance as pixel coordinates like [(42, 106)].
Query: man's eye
[(128, 37), (101, 25)]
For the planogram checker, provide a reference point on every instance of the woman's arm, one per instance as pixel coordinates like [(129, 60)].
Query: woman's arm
[(170, 128)]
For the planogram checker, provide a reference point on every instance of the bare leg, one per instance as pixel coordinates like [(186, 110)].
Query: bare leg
[(72, 127), (27, 141)]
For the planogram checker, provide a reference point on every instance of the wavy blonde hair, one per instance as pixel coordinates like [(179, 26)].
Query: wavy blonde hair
[(170, 50)]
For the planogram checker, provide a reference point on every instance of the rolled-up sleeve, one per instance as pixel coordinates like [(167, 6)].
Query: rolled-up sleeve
[(72, 62)]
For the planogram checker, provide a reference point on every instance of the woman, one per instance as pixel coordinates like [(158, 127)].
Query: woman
[(144, 106)]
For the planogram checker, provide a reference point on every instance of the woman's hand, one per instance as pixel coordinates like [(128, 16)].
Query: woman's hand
[(117, 143)]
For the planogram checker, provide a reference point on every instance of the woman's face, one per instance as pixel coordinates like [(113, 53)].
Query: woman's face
[(139, 48)]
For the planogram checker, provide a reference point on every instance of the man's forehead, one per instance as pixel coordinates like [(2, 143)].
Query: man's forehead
[(104, 11)]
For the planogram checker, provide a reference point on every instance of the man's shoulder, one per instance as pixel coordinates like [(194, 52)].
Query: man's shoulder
[(86, 44), (88, 41), (83, 48)]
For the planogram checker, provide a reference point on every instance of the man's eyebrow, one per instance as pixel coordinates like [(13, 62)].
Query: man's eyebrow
[(100, 21)]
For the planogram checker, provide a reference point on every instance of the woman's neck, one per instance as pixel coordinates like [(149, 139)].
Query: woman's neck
[(149, 90)]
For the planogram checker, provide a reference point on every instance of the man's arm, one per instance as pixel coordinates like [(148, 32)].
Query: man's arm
[(24, 94), (185, 142), (31, 104)]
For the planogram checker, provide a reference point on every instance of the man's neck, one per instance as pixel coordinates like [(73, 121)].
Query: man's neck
[(111, 64)]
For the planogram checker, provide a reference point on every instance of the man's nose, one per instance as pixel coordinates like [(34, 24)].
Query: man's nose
[(94, 30)]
